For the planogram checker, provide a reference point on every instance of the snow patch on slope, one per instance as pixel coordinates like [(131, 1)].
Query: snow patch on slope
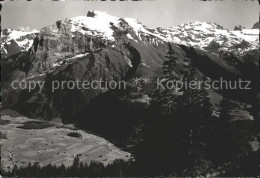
[(68, 60), (139, 28), (18, 37), (250, 35)]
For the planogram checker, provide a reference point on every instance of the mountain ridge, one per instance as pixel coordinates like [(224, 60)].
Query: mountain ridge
[(100, 24)]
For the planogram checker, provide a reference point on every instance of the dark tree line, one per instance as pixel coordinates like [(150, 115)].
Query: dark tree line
[(78, 169)]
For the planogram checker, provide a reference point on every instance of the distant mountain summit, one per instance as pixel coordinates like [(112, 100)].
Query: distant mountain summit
[(14, 41), (212, 37)]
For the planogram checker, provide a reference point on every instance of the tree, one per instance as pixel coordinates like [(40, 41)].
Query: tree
[(14, 171), (76, 161), (220, 148), (193, 117), (169, 79), (169, 65)]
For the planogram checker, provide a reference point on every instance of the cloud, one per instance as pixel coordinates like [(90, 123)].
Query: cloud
[(27, 29)]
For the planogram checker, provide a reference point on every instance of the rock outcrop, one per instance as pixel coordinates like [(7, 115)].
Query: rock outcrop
[(256, 26), (239, 28)]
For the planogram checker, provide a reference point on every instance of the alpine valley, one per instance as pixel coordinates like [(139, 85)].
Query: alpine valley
[(99, 46)]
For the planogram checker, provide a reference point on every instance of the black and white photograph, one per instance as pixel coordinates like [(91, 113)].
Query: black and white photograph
[(145, 88)]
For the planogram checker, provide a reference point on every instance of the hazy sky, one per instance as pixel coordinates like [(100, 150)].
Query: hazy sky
[(154, 13)]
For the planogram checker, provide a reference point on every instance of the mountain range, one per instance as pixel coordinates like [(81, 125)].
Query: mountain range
[(100, 46)]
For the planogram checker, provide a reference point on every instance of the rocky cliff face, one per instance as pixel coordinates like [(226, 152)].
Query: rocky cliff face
[(256, 25), (99, 46)]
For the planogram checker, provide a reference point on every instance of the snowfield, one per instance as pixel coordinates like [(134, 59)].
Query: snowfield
[(197, 34), (99, 25)]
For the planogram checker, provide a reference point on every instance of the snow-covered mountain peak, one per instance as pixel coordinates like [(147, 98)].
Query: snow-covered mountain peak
[(200, 25), (10, 34), (101, 24), (96, 23), (212, 37), (19, 40)]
